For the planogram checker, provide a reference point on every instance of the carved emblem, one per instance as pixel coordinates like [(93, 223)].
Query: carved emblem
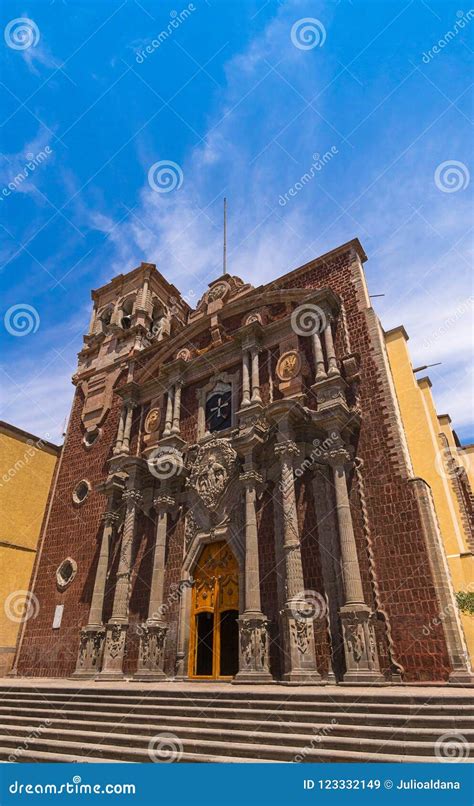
[(184, 354), (289, 365), (217, 292), (253, 317), (212, 470), (152, 421)]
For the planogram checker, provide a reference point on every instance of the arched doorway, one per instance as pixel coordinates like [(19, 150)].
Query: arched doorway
[(214, 633)]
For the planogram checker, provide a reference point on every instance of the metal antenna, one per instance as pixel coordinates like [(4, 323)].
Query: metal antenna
[(224, 256)]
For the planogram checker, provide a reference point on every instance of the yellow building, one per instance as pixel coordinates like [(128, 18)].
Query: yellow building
[(27, 465), (442, 462)]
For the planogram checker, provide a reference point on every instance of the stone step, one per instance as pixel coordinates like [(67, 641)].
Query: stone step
[(196, 713), (227, 752), (382, 697), (354, 706), (102, 723), (192, 739), (54, 755)]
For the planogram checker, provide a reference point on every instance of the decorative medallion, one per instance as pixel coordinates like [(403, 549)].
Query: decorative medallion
[(214, 466), (217, 292), (253, 317), (152, 421), (184, 354), (289, 365)]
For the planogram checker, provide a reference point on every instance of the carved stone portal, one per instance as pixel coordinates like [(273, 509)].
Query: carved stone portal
[(213, 468)]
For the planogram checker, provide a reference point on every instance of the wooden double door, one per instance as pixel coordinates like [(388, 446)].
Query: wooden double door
[(214, 633)]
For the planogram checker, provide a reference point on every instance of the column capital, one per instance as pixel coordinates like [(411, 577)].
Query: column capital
[(110, 518), (163, 502), (286, 449), (337, 457), (132, 497), (250, 478)]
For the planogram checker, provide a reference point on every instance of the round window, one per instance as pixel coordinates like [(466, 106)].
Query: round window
[(81, 492), (66, 572), (90, 437)]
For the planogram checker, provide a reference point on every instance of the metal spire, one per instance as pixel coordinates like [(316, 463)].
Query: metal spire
[(224, 256)]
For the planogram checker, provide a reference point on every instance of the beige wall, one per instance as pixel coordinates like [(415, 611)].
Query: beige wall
[(26, 469), (423, 428)]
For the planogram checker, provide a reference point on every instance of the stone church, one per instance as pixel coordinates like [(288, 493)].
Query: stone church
[(235, 499)]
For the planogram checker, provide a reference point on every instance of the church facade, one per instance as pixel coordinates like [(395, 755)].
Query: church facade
[(235, 499)]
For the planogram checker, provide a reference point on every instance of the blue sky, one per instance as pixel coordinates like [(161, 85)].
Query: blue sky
[(241, 106)]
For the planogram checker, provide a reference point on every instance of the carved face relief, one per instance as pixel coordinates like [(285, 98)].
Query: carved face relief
[(289, 365), (212, 470), (152, 421)]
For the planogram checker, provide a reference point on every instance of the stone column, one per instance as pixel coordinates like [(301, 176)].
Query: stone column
[(360, 647), (169, 412), (93, 634), (121, 427), (330, 353), (256, 398), (117, 627), (297, 618), (318, 358), (175, 429), (245, 379), (128, 427), (153, 632), (254, 655)]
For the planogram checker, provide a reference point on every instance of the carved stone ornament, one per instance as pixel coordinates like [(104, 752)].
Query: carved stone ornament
[(90, 649), (184, 354), (289, 365), (214, 466), (65, 573), (152, 421), (254, 648), (300, 634), (217, 292), (115, 641), (253, 317), (152, 646)]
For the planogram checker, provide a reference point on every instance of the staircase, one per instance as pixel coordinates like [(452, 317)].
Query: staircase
[(42, 721)]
